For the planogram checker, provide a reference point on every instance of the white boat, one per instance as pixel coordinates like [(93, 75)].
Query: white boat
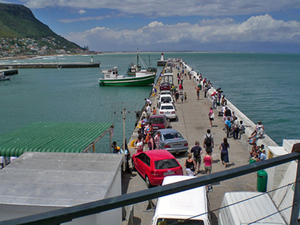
[(3, 77), (112, 78)]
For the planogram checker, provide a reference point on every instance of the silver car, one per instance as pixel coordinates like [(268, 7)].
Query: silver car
[(172, 141)]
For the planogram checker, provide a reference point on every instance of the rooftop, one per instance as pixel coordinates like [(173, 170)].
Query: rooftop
[(52, 137)]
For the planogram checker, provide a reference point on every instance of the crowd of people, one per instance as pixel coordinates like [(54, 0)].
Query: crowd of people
[(232, 125)]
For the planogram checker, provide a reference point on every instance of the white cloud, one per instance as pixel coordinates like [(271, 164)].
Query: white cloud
[(166, 8), (81, 11), (256, 29)]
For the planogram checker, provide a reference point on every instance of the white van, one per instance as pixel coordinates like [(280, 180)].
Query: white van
[(182, 206), (255, 210)]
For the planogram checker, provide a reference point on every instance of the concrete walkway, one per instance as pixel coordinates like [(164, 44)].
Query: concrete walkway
[(192, 123)]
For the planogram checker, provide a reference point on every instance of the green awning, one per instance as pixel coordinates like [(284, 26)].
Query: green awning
[(52, 137)]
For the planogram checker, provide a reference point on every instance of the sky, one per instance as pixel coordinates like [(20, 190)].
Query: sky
[(173, 25)]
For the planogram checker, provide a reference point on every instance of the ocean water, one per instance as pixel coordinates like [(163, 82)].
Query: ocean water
[(264, 87)]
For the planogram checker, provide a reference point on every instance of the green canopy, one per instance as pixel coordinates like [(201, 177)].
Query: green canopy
[(52, 137)]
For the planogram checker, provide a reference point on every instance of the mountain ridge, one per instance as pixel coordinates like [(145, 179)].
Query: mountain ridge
[(18, 21)]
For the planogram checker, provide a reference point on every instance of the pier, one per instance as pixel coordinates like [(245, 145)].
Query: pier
[(192, 123), (50, 65)]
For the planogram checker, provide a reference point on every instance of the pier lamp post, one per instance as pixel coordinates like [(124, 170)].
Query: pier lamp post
[(124, 118)]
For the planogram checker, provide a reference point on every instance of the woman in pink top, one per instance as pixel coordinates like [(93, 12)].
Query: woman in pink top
[(208, 161)]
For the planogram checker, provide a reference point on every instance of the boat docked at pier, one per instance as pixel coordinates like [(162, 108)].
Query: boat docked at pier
[(112, 78), (139, 67)]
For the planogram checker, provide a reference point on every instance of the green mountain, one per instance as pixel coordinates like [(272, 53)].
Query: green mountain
[(17, 21)]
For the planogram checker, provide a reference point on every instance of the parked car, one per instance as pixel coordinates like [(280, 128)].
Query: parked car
[(159, 122), (165, 86), (164, 98), (154, 165), (168, 110), (164, 92), (172, 141)]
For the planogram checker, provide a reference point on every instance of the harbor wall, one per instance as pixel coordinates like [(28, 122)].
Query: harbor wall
[(49, 65)]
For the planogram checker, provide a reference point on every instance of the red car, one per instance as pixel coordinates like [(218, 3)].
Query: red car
[(154, 165), (159, 122), (165, 86)]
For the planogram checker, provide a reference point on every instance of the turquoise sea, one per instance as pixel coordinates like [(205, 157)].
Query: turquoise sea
[(263, 86)]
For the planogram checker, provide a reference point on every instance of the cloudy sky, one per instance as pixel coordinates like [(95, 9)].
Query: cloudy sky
[(174, 25)]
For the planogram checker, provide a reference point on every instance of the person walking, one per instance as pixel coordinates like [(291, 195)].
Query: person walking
[(208, 141), (224, 152), (198, 92), (208, 161), (150, 141), (139, 144), (176, 96), (197, 151), (190, 165), (211, 116), (157, 140)]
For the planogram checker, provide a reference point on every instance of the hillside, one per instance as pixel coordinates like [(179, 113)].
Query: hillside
[(17, 21)]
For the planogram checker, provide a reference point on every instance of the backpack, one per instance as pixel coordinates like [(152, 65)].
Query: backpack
[(196, 151), (208, 140)]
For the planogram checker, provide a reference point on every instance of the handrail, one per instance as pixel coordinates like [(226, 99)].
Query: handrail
[(67, 214)]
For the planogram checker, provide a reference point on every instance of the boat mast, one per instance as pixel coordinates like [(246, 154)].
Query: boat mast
[(137, 59)]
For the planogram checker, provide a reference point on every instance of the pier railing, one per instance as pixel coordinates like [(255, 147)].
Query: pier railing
[(68, 214)]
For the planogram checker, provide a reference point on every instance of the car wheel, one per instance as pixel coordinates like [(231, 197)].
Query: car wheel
[(148, 181)]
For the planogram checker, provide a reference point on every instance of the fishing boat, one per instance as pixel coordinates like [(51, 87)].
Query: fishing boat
[(138, 68), (112, 78)]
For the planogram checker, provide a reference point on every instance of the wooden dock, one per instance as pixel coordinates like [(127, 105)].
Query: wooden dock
[(49, 65)]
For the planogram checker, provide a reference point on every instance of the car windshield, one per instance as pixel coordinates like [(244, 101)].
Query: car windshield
[(165, 164), (156, 120), (167, 99), (167, 107), (170, 136), (166, 221)]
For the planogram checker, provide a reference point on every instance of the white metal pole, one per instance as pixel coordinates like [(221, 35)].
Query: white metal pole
[(124, 118)]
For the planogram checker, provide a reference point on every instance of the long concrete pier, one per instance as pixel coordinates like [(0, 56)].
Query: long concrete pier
[(193, 123), (50, 65)]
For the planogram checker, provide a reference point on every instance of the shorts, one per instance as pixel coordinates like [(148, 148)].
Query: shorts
[(189, 172), (197, 160), (208, 169)]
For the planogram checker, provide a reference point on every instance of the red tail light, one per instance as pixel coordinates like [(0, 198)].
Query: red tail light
[(161, 112), (167, 146), (173, 112), (186, 144), (154, 173)]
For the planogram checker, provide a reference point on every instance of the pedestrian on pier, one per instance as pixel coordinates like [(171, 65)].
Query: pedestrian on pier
[(190, 166), (224, 152), (211, 116), (208, 161), (176, 96), (139, 144), (208, 141), (197, 151), (198, 92), (157, 140)]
